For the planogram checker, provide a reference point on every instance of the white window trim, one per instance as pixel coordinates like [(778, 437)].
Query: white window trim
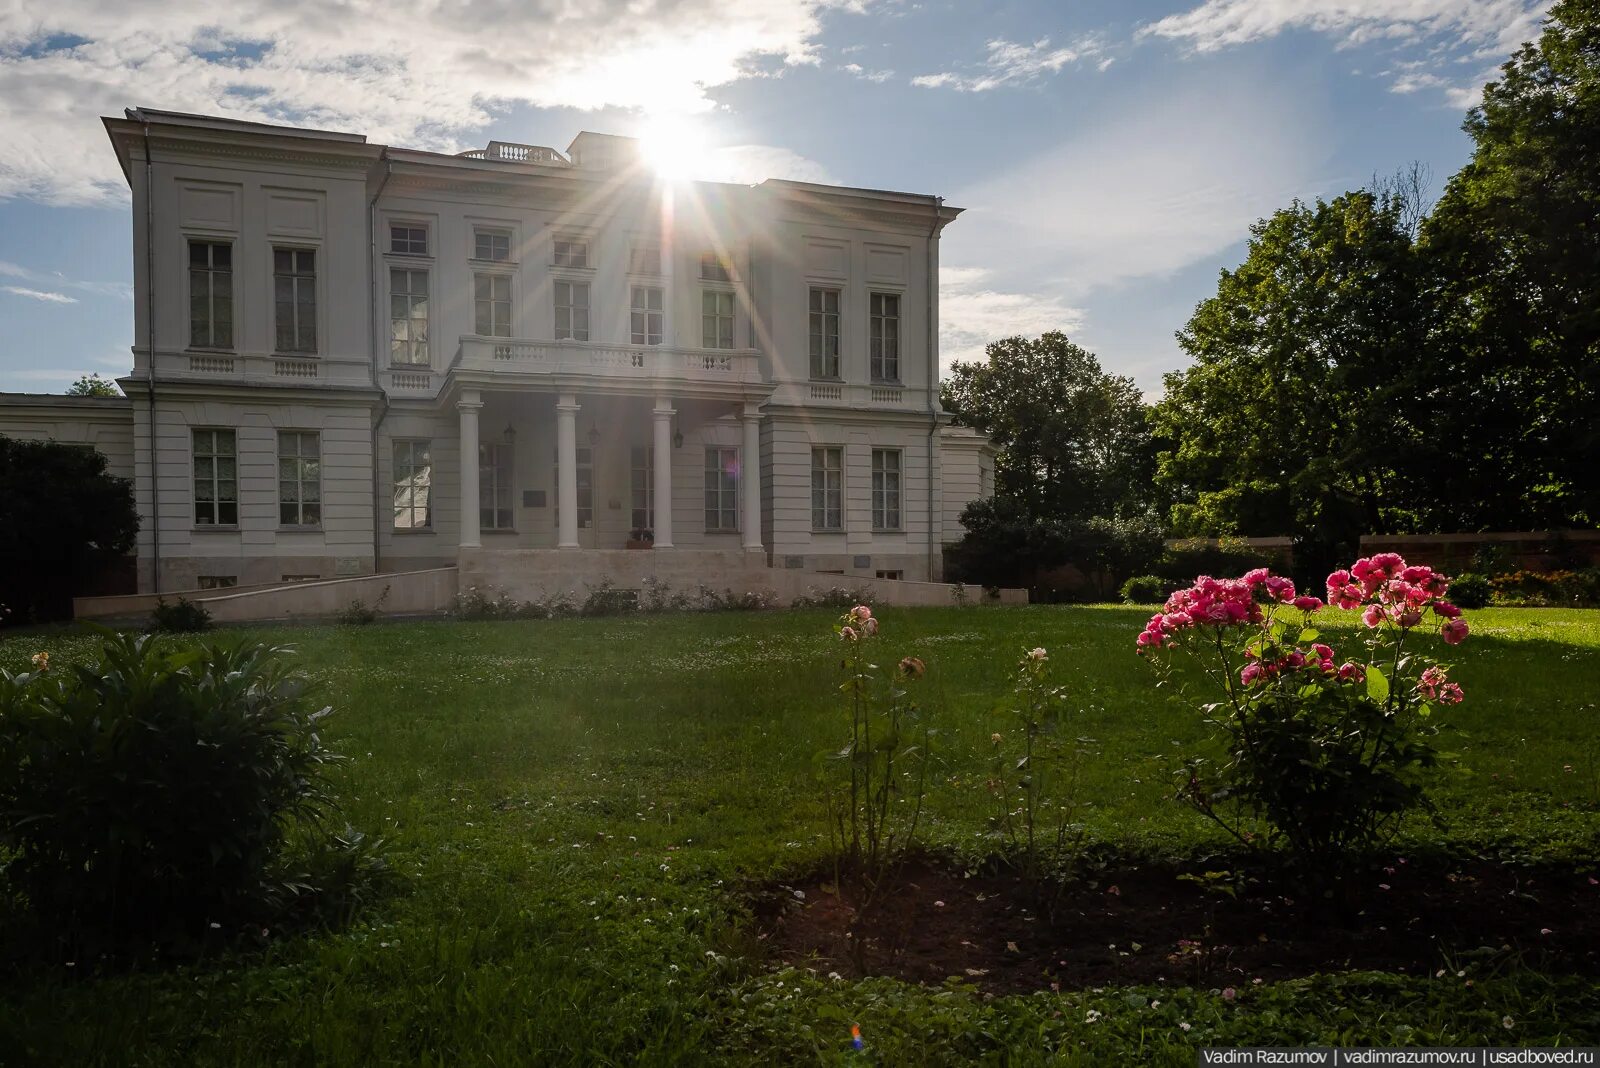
[(318, 296), (394, 485), (900, 491), (492, 484), (839, 289), (573, 237), (300, 482), (587, 306), (498, 230), (900, 336), (646, 311), (232, 242), (511, 300), (410, 224), (734, 490), (194, 481), (843, 497), (733, 314), (412, 266)]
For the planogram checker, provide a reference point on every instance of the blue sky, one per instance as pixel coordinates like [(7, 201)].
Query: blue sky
[(1111, 155)]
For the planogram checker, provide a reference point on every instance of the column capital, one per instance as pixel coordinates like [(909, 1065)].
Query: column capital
[(468, 406), (663, 413), (752, 412)]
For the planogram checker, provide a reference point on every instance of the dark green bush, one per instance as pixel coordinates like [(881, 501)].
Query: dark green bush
[(1471, 590), (153, 793), (1222, 558), (181, 617), (1146, 589)]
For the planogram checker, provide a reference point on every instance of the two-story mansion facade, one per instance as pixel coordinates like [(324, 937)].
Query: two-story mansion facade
[(351, 358)]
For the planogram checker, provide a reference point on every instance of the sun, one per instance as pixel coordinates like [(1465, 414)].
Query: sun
[(672, 145)]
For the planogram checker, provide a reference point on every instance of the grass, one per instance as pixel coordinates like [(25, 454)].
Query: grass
[(579, 805)]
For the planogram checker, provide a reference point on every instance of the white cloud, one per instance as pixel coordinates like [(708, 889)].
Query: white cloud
[(414, 72), (877, 76), (26, 274), (973, 312), (1010, 63), (1155, 189), (749, 164), (1216, 24), (39, 294)]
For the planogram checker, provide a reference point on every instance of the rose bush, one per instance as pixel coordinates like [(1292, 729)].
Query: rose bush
[(1325, 752)]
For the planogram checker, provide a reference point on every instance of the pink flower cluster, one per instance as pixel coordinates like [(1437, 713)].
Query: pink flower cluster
[(1214, 602), (858, 622), (1434, 685), (1320, 658), (1393, 591)]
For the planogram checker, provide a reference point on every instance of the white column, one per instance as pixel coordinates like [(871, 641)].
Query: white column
[(663, 472), (467, 410), (750, 479), (567, 470)]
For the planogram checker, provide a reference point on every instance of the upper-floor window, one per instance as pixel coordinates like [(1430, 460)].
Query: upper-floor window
[(216, 478), (885, 337), (827, 488), (571, 252), (294, 282), (211, 294), (644, 259), (824, 333), (299, 478), (491, 305), (572, 310), (645, 315), (722, 489), (408, 316), (716, 319), (886, 489), (408, 239), (715, 268), (491, 245), (413, 485)]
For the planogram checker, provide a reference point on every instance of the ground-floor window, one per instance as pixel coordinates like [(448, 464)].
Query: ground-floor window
[(643, 484), (886, 489), (216, 478), (413, 485), (894, 575), (494, 486), (585, 489), (722, 489), (299, 478), (218, 582), (827, 488)]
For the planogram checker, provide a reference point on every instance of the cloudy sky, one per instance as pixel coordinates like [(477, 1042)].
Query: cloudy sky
[(1111, 153)]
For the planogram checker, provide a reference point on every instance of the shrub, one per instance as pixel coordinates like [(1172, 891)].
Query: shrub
[(1546, 589), (1145, 589), (1325, 753), (606, 600), (183, 616), (832, 597), (358, 613), (1471, 591), (152, 793), (1203, 556)]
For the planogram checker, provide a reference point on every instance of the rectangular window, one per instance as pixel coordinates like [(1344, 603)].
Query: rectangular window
[(571, 252), (492, 245), (892, 575), (216, 478), (299, 478), (407, 239), (572, 310), (886, 489), (218, 582), (885, 337), (716, 319), (491, 305), (494, 486), (644, 259), (643, 496), (294, 281), (645, 315), (408, 317), (210, 295), (714, 268), (413, 485), (722, 489), (824, 333), (585, 480), (827, 489)]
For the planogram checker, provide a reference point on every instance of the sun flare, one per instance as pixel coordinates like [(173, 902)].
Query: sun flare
[(672, 145)]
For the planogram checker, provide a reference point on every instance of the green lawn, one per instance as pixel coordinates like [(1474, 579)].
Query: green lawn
[(578, 805)]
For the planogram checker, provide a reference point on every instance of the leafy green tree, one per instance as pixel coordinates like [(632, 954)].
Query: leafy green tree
[(65, 520), (92, 385), (1290, 418), (1073, 440), (1513, 247)]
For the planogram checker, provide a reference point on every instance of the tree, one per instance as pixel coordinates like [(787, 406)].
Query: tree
[(1073, 440), (64, 519), (1513, 249), (92, 385), (1291, 417)]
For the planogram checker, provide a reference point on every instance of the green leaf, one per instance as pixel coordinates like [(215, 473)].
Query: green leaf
[(1310, 634), (1377, 685)]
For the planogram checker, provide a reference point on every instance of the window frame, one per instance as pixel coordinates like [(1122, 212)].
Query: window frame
[(489, 482), (878, 341), (817, 335), (647, 483), (395, 488), (409, 253), (411, 318), (571, 308), (715, 319), (726, 489), (823, 452), (492, 232), (311, 281), (583, 468), (212, 242), (299, 459), (647, 252), (215, 478), (715, 267), (493, 278), (571, 239), (640, 316), (880, 491)]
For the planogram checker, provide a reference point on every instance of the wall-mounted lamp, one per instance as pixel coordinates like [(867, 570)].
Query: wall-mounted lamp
[(510, 435), (677, 440), (594, 435)]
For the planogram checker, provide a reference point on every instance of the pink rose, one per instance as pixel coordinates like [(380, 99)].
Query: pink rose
[(1307, 603), (847, 634), (1373, 616), (1350, 671), (1251, 673), (869, 626), (1446, 610), (1454, 631), (1410, 618), (1340, 577), (1256, 576), (1280, 589)]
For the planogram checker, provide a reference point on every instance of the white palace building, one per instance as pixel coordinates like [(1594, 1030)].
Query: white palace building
[(534, 366)]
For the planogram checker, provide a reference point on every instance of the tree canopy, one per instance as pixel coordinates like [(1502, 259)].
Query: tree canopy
[(92, 385)]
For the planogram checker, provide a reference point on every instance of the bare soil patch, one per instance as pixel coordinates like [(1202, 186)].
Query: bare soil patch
[(1147, 925)]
